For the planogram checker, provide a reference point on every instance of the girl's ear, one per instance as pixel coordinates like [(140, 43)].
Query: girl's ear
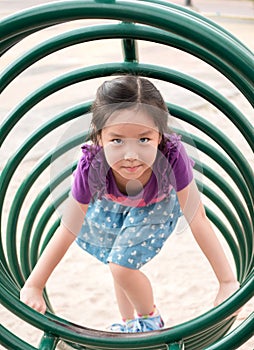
[(160, 138), (99, 141)]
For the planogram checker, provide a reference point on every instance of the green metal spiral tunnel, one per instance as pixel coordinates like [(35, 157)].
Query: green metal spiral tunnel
[(27, 226)]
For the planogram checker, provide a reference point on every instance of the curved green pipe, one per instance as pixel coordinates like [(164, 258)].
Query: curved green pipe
[(152, 71), (149, 70), (223, 141), (237, 337), (11, 341), (180, 23), (99, 338), (197, 16), (248, 280), (16, 159), (36, 210), (99, 32), (30, 218), (6, 44)]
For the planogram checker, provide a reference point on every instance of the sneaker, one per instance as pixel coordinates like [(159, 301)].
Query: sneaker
[(133, 326), (144, 324), (118, 327), (140, 324), (148, 324)]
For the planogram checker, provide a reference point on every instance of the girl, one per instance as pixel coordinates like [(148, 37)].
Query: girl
[(131, 185)]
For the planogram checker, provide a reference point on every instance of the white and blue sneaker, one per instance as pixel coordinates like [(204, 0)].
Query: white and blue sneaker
[(140, 324)]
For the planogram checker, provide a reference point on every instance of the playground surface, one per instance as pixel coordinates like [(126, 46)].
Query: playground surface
[(178, 297)]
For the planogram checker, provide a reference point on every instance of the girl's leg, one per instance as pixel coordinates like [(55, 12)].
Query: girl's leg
[(136, 287), (125, 307)]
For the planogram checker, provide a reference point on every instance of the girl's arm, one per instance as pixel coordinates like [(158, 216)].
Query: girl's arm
[(204, 234), (31, 293)]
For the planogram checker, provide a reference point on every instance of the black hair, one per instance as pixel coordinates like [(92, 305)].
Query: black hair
[(128, 92)]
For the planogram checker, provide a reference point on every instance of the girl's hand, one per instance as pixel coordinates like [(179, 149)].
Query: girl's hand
[(32, 296), (226, 289)]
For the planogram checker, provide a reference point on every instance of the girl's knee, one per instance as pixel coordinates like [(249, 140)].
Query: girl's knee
[(119, 272)]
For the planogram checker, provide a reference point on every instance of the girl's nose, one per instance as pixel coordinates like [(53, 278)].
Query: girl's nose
[(130, 155)]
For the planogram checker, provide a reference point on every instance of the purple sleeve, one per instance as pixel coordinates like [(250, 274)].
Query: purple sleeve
[(181, 168), (80, 187)]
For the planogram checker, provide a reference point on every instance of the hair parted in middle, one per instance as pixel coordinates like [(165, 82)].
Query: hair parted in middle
[(128, 92)]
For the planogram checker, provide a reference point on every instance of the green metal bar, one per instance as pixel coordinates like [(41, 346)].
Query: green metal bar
[(231, 242), (82, 35), (197, 16), (153, 71), (8, 172), (230, 217), (246, 240), (50, 234), (77, 10), (39, 172), (107, 31), (237, 337), (126, 67), (40, 227), (130, 50), (3, 259), (32, 256), (34, 251), (7, 281), (222, 161), (240, 59), (6, 269), (246, 226), (223, 141), (248, 237), (229, 193), (6, 44), (29, 222), (32, 214), (48, 342), (176, 346), (236, 202), (251, 284), (238, 206), (11, 341), (228, 68), (203, 339)]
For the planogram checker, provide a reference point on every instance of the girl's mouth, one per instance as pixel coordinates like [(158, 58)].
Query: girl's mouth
[(132, 169)]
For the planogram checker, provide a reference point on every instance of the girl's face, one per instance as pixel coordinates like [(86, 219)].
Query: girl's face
[(130, 140)]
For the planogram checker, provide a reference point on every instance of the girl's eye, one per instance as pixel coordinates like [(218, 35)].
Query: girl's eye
[(144, 140), (117, 141)]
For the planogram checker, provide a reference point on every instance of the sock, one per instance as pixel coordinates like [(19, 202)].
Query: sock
[(153, 313), (125, 320)]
